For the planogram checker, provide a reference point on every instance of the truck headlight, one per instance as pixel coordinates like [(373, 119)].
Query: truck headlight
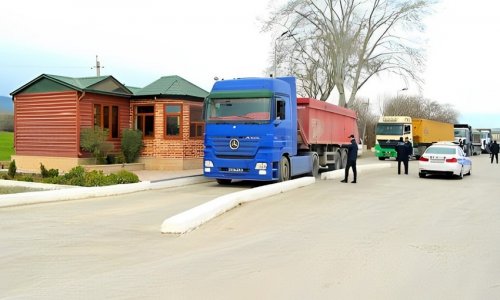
[(260, 166), (209, 164)]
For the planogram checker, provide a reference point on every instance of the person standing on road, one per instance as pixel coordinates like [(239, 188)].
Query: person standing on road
[(409, 147), (494, 148), (352, 155), (402, 155)]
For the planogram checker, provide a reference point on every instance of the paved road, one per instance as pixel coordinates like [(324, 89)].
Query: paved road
[(387, 237)]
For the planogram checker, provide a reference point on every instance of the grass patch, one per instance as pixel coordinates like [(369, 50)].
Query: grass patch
[(6, 145)]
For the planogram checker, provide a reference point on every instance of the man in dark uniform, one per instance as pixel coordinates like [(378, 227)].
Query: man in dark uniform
[(494, 148), (402, 155), (352, 155)]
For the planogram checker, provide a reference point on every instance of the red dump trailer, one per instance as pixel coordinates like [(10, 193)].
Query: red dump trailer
[(323, 128)]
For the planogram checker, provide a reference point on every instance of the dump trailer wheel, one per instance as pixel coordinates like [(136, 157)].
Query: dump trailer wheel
[(343, 159), (223, 181), (284, 169)]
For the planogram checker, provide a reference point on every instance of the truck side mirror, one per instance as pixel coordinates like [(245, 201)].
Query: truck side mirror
[(276, 122)]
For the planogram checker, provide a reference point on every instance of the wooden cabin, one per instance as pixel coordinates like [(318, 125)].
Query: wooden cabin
[(50, 111)]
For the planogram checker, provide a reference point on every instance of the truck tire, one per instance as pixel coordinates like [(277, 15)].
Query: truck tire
[(343, 159), (223, 181), (315, 167), (284, 169)]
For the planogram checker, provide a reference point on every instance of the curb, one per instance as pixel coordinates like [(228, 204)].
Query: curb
[(196, 216), (66, 193), (337, 174)]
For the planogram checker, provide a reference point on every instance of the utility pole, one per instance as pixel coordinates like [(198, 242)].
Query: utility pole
[(97, 66)]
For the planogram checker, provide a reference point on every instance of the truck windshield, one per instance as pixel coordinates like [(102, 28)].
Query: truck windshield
[(460, 133), (241, 109), (389, 129)]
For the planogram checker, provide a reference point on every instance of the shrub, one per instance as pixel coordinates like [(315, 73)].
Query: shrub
[(95, 141), (131, 144), (125, 176), (95, 178), (12, 169), (48, 173), (27, 178)]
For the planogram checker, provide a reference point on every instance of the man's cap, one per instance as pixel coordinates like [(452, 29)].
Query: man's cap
[(351, 136)]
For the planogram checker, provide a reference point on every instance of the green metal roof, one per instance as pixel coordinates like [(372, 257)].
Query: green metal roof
[(99, 84), (172, 86)]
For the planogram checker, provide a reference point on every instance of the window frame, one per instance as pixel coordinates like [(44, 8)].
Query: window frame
[(103, 121), (166, 114), (198, 124), (144, 115)]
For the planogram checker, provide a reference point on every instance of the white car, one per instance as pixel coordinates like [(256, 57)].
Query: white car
[(446, 159)]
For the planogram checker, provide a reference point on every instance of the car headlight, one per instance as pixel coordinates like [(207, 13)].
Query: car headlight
[(209, 164)]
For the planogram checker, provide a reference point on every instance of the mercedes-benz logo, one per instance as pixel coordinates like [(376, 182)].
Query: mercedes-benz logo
[(234, 144)]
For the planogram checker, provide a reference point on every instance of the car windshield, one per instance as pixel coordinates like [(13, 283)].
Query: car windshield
[(440, 150), (389, 129), (241, 109)]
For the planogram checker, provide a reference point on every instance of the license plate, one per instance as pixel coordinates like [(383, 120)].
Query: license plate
[(235, 169)]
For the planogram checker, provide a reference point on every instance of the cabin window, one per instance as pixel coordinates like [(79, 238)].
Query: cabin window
[(106, 117), (173, 120), (280, 109), (407, 128), (196, 124), (145, 120)]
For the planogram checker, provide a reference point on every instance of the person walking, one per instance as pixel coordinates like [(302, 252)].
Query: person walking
[(494, 148), (352, 156), (402, 155)]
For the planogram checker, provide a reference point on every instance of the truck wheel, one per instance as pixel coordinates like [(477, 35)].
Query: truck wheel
[(343, 159), (315, 167), (284, 171), (223, 181)]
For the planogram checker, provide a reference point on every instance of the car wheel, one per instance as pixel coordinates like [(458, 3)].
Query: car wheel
[(421, 175)]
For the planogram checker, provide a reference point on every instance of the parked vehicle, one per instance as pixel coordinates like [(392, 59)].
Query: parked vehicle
[(444, 159), (420, 132), (485, 139), (257, 129), (465, 135), (476, 142)]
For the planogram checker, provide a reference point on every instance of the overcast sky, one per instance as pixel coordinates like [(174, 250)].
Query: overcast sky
[(140, 41)]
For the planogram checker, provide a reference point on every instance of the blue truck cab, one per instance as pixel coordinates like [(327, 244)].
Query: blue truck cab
[(251, 131)]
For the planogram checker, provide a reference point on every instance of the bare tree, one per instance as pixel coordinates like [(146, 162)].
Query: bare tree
[(418, 107), (341, 44), (367, 120)]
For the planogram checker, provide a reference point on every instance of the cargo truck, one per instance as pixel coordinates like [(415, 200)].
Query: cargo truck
[(257, 129), (469, 138), (476, 142), (421, 132), (485, 139)]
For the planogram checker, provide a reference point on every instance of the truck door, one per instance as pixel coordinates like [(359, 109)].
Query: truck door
[(282, 122)]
